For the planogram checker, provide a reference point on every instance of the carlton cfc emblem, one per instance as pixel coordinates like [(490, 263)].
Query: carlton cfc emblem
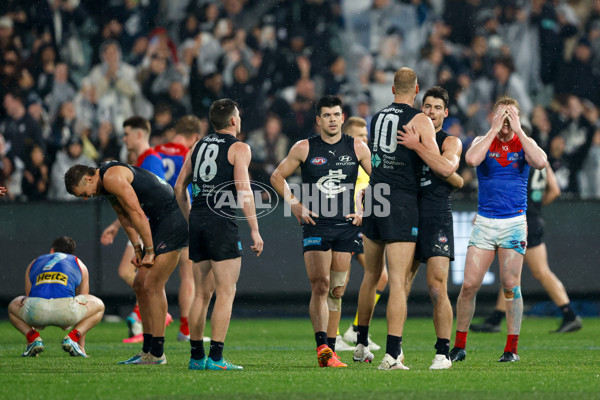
[(318, 161), (443, 239)]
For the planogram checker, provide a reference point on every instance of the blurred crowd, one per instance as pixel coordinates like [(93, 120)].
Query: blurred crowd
[(71, 71)]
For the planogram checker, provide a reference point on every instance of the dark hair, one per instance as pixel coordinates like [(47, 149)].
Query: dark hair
[(328, 101), (64, 244), (75, 174), (220, 112), (188, 125), (438, 92), (137, 122)]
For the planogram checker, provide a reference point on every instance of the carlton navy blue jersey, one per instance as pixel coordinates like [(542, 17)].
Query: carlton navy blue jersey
[(213, 186), (503, 177), (392, 163), (54, 276), (328, 178), (536, 186), (434, 192), (155, 195)]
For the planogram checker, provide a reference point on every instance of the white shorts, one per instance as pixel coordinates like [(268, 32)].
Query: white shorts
[(63, 312), (507, 233)]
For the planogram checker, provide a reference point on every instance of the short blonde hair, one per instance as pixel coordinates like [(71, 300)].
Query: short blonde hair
[(353, 122), (405, 80), (506, 101)]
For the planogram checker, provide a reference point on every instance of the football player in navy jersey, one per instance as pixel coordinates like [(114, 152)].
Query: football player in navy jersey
[(216, 166), (435, 243), (147, 209), (56, 293), (329, 164)]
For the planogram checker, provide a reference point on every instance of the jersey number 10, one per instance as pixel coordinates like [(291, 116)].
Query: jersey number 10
[(386, 130)]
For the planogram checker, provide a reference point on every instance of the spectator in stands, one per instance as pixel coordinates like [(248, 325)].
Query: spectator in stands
[(71, 154), (35, 176), (116, 87), (20, 130), (269, 147), (577, 76), (63, 128), (106, 143), (62, 90)]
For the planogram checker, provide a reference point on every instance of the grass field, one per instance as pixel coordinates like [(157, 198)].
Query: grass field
[(280, 363)]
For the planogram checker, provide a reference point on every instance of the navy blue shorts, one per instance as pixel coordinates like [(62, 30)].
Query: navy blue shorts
[(343, 237), (214, 238)]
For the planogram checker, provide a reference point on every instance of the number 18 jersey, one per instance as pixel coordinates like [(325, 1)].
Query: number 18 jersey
[(212, 176), (392, 163)]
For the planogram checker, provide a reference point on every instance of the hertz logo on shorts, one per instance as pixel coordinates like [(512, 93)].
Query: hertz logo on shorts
[(51, 277)]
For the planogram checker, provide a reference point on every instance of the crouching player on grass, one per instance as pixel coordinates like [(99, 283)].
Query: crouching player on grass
[(57, 294)]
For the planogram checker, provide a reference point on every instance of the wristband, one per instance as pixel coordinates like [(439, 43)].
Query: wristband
[(293, 200), (149, 249), (137, 247)]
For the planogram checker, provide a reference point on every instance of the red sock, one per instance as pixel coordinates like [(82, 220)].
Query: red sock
[(460, 340), (75, 335), (512, 341), (184, 327), (136, 310), (32, 335)]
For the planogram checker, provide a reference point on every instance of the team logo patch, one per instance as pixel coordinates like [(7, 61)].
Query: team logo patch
[(312, 241), (318, 161), (443, 239)]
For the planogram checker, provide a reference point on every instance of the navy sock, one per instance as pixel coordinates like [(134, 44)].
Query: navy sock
[(147, 342), (567, 312), (321, 338), (197, 349), (442, 346), (392, 346), (216, 350), (157, 346), (331, 343), (495, 318), (362, 335)]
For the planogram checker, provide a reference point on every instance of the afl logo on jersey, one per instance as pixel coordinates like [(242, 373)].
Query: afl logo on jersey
[(443, 239), (318, 161)]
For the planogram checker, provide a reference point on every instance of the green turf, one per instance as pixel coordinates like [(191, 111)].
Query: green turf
[(280, 363)]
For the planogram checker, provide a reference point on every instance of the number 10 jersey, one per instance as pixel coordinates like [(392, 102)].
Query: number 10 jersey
[(392, 163)]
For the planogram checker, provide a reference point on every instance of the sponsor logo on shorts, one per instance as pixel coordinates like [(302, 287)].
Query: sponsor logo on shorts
[(240, 246), (312, 241), (415, 231), (318, 161), (51, 277), (223, 202)]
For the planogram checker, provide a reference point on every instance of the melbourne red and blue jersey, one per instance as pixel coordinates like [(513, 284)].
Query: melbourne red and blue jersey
[(150, 161), (503, 179), (54, 276), (173, 156)]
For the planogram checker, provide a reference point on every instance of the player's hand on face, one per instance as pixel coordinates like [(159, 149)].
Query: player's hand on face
[(2, 191), (108, 235), (258, 243), (303, 214), (513, 118), (409, 138), (498, 118)]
